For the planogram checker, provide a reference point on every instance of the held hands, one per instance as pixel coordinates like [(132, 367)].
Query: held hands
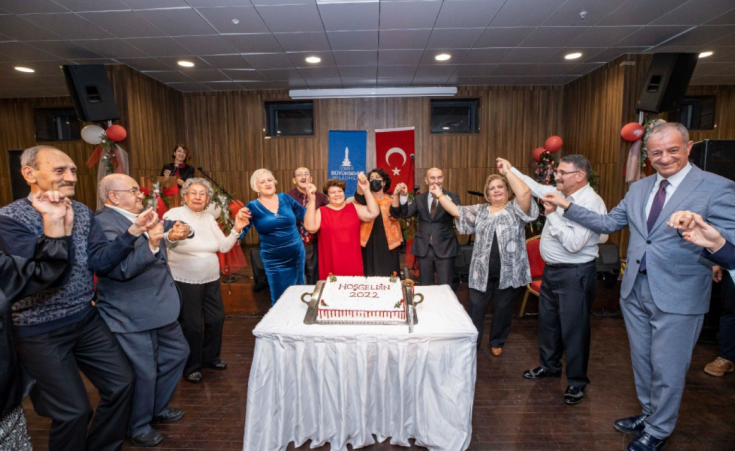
[(144, 222), (557, 200), (401, 190), (549, 208), (696, 230), (242, 219), (167, 172), (179, 232), (503, 166), (155, 235), (363, 182)]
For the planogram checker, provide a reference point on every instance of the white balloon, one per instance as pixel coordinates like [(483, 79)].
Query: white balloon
[(92, 134)]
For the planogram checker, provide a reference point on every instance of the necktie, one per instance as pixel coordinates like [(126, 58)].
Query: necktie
[(656, 207), (432, 211)]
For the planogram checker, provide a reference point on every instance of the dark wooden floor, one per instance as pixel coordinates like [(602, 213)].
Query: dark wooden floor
[(510, 413)]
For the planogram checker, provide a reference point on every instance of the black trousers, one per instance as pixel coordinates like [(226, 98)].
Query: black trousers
[(202, 318), (429, 263), (565, 302), (727, 318), (502, 310), (311, 263), (55, 359)]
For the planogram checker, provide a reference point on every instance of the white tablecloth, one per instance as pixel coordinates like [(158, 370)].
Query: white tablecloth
[(341, 384)]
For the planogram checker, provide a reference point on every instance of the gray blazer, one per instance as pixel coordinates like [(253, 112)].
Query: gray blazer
[(139, 293), (680, 279)]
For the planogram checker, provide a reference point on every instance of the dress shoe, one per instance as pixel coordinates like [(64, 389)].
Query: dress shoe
[(147, 440), (195, 377), (646, 442), (631, 425), (173, 414), (719, 367), (496, 351), (573, 395), (219, 366), (540, 373)]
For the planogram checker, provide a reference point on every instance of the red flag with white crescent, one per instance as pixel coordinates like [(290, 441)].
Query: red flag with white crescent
[(394, 149)]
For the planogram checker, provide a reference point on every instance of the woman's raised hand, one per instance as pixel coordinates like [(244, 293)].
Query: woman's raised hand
[(363, 181)]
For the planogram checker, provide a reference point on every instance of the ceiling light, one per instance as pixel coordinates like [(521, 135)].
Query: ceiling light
[(701, 55), (313, 59), (572, 56), (183, 63), (445, 128), (442, 57), (352, 93), (235, 21), (24, 69)]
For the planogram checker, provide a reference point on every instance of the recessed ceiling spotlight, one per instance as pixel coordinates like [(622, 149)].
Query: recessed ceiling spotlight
[(24, 69), (313, 59), (235, 21), (184, 63), (442, 57), (572, 56), (705, 54)]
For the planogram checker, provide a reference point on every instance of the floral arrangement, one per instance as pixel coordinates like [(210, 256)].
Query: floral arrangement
[(546, 169), (394, 277), (225, 220), (156, 192)]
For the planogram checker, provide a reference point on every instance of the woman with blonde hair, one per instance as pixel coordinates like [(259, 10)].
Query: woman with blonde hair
[(499, 260), (274, 216)]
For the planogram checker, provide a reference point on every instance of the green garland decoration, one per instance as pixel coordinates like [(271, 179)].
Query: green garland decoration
[(225, 221)]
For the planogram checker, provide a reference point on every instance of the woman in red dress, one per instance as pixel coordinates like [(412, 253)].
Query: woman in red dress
[(338, 224)]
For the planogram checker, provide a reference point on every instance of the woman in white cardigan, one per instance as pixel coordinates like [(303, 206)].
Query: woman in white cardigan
[(195, 268)]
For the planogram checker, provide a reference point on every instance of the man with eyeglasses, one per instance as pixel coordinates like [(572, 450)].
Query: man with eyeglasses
[(570, 278), (58, 332), (301, 180), (139, 301)]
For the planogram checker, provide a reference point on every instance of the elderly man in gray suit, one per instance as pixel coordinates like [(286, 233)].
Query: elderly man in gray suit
[(666, 288), (140, 302)]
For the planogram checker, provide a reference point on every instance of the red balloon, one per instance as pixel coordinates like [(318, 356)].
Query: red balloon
[(537, 153), (116, 133), (632, 132), (553, 143)]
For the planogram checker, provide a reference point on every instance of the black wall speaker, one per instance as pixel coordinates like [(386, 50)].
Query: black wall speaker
[(667, 81), (716, 156), (91, 92)]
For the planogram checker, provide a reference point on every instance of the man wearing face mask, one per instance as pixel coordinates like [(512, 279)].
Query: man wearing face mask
[(435, 244), (380, 238), (302, 179)]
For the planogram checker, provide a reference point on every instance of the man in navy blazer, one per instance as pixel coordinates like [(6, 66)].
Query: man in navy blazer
[(666, 288), (139, 301), (435, 244)]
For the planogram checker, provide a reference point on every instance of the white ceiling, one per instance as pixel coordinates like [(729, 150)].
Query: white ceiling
[(361, 43)]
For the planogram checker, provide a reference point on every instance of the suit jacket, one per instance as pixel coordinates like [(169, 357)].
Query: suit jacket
[(724, 257), (680, 279), (439, 230), (138, 293)]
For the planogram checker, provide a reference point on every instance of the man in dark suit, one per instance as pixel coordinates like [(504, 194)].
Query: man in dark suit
[(140, 303), (435, 244)]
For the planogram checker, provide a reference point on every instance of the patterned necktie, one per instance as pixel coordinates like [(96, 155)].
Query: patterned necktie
[(432, 211), (656, 207), (306, 237)]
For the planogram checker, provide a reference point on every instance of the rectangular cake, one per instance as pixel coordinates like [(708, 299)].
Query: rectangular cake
[(362, 299)]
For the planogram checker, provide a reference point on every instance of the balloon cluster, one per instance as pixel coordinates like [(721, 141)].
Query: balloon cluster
[(552, 144), (94, 134)]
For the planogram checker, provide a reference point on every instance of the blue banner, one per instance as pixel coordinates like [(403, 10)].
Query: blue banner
[(347, 153)]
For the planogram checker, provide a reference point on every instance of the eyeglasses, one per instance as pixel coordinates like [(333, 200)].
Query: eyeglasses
[(303, 174), (563, 173), (133, 191)]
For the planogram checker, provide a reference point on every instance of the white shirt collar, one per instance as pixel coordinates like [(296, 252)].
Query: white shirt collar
[(580, 193), (131, 216), (675, 179)]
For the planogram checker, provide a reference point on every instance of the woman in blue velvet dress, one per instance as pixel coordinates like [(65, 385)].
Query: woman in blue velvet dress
[(274, 217)]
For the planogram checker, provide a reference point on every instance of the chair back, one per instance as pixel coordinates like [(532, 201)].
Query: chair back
[(534, 256)]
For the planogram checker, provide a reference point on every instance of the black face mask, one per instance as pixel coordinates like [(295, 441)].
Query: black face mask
[(376, 185)]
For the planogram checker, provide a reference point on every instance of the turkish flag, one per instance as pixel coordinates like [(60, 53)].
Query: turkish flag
[(394, 149)]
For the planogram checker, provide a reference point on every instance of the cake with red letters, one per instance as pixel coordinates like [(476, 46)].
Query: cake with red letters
[(362, 299)]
